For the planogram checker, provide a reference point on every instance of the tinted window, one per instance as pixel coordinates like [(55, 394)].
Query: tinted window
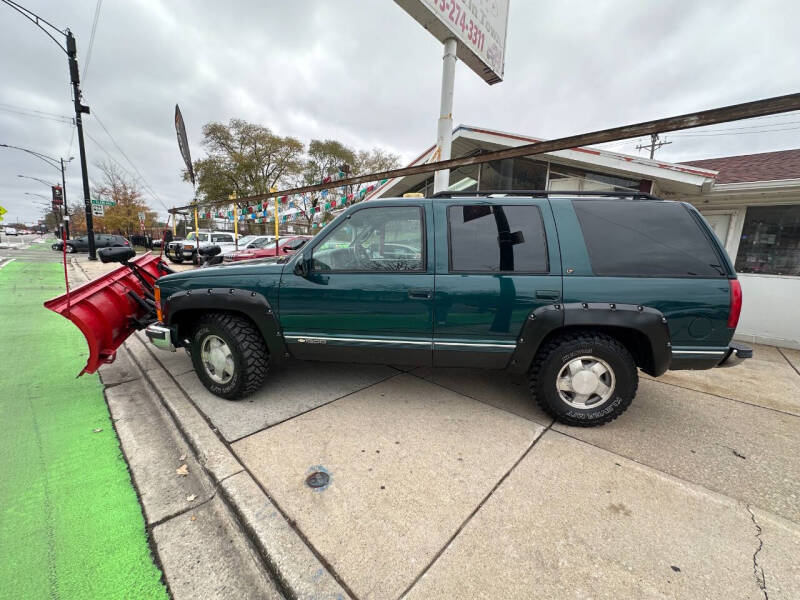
[(374, 239), (656, 239), (497, 239)]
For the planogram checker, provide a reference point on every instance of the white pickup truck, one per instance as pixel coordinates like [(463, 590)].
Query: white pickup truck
[(186, 250)]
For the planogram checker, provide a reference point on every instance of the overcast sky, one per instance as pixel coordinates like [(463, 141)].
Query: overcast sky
[(363, 72)]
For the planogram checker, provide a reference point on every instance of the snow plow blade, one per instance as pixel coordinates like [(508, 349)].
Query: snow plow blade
[(110, 308)]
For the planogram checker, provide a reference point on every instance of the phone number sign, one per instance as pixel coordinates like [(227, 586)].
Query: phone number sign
[(479, 26)]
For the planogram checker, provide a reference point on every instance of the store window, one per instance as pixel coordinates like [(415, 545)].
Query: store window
[(575, 180), (770, 242)]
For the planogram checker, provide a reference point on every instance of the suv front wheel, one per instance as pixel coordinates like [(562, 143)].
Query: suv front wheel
[(229, 355), (583, 379)]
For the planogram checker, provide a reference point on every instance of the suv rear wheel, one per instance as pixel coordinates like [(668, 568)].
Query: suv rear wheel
[(229, 355), (583, 379)]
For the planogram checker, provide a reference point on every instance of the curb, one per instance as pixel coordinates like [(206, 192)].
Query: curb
[(298, 571)]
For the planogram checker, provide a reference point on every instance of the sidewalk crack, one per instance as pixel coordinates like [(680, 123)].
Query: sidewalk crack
[(758, 570)]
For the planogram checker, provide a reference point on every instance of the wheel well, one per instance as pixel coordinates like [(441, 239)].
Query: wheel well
[(634, 341), (186, 320)]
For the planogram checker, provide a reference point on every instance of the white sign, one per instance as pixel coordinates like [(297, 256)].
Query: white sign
[(479, 26), (141, 217), (98, 210)]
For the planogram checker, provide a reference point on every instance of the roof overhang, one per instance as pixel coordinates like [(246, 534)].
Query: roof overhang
[(670, 177)]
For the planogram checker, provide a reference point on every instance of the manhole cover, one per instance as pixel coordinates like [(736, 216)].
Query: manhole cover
[(318, 479)]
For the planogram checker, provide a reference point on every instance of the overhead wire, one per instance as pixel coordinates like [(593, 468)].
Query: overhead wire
[(88, 59), (143, 182)]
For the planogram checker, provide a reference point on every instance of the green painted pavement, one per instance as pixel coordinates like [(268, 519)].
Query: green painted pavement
[(70, 522)]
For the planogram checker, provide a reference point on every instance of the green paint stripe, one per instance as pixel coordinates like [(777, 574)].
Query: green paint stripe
[(70, 523)]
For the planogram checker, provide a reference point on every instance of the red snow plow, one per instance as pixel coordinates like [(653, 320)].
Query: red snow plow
[(110, 308)]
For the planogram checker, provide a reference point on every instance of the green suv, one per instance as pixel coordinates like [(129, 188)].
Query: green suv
[(575, 291)]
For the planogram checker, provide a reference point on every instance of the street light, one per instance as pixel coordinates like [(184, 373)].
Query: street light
[(47, 183), (71, 50)]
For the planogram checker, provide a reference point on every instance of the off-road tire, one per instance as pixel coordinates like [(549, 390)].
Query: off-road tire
[(558, 352), (196, 259), (176, 261), (248, 349)]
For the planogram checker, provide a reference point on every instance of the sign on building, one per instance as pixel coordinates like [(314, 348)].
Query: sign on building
[(479, 26)]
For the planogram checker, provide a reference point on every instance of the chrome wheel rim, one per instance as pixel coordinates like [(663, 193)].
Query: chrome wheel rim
[(585, 382), (217, 359)]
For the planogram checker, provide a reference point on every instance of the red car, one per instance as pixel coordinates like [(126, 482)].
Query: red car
[(286, 246)]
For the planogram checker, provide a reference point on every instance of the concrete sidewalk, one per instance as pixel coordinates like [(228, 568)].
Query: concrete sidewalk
[(452, 483)]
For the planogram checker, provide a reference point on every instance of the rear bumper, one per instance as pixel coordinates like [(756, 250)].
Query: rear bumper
[(160, 336)]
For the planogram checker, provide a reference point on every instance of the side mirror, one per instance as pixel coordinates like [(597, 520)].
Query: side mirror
[(301, 266), (119, 254)]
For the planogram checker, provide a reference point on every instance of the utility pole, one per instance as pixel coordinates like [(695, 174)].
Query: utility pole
[(654, 145), (64, 198), (81, 109)]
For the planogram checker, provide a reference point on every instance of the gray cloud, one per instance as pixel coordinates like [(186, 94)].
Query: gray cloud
[(366, 73)]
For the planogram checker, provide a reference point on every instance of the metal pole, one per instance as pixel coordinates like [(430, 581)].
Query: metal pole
[(79, 110), (444, 134), (232, 198), (277, 233), (64, 197)]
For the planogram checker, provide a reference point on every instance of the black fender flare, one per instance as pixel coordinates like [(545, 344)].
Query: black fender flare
[(250, 303), (645, 320)]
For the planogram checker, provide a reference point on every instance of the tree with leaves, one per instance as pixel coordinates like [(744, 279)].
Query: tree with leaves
[(123, 217), (244, 158), (329, 158)]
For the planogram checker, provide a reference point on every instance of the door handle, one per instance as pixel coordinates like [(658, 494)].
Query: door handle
[(548, 294), (419, 294)]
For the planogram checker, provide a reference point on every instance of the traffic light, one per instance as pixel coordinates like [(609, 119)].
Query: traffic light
[(58, 195)]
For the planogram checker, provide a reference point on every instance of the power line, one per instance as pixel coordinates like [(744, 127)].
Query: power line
[(91, 39), (143, 182), (24, 113)]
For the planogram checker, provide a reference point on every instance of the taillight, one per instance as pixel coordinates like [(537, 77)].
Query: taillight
[(157, 294), (736, 303)]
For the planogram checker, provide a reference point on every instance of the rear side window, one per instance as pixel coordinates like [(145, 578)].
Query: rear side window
[(642, 238), (497, 239)]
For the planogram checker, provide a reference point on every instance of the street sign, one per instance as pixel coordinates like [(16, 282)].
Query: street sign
[(98, 210), (479, 26), (141, 217), (99, 202)]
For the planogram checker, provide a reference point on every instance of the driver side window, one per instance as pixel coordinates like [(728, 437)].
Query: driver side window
[(380, 239)]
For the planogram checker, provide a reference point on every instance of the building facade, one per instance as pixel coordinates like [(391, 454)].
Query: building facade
[(752, 202)]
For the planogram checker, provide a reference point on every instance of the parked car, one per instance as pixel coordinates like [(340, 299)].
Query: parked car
[(286, 246), (101, 240), (186, 250), (575, 291), (11, 231), (249, 242)]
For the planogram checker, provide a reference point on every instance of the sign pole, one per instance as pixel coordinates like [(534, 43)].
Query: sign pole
[(196, 228), (444, 135), (277, 234), (232, 198)]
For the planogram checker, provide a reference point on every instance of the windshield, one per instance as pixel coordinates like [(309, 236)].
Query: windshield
[(263, 242), (191, 236)]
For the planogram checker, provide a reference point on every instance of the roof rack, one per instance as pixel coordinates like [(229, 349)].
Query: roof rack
[(545, 194)]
